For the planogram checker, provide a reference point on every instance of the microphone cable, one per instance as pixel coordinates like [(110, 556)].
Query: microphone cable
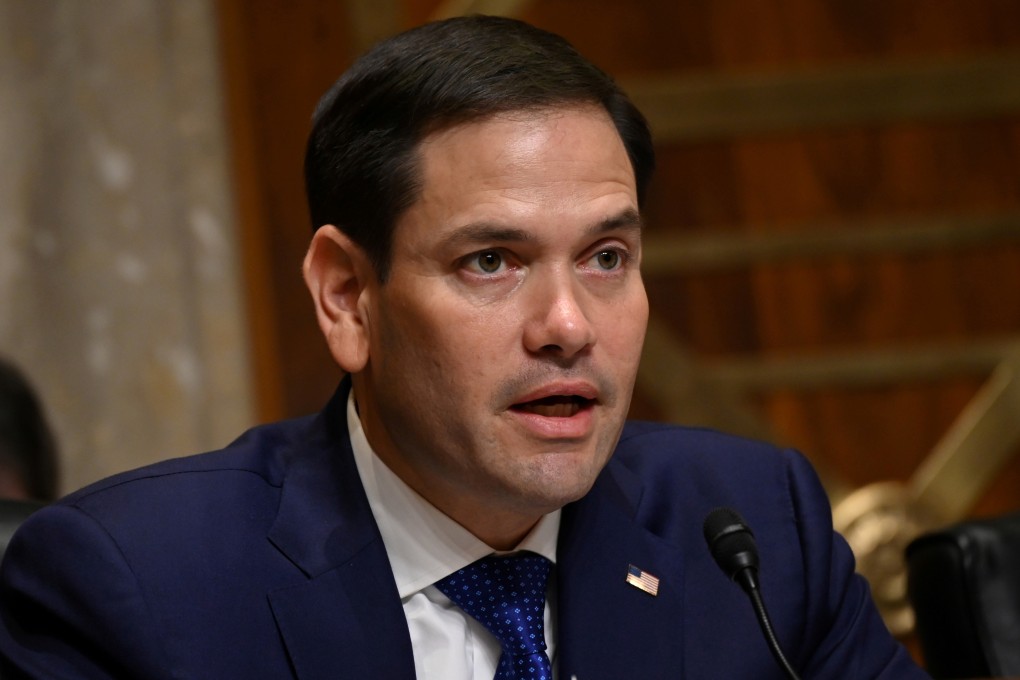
[(732, 544)]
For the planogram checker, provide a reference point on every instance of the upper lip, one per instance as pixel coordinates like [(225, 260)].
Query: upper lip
[(573, 388)]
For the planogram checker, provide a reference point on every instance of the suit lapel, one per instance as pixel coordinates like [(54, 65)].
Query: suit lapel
[(345, 623), (344, 618), (608, 628)]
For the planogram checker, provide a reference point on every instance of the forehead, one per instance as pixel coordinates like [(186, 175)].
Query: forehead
[(517, 165), (577, 133)]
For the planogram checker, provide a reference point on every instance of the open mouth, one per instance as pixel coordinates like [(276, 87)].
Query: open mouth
[(557, 406)]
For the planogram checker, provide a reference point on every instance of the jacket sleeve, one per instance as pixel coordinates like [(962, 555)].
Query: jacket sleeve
[(844, 636), (70, 606)]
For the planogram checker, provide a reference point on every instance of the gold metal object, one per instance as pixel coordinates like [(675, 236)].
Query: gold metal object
[(879, 520)]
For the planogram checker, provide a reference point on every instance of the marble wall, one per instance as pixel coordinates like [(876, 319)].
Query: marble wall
[(120, 292)]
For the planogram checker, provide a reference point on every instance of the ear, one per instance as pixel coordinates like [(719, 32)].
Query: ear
[(338, 273)]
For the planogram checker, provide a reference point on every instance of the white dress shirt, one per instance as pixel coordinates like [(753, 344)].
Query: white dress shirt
[(424, 546)]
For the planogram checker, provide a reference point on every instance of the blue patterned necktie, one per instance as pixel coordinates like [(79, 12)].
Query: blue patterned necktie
[(506, 594)]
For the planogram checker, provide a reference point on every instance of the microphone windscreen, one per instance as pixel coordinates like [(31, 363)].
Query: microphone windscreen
[(730, 541)]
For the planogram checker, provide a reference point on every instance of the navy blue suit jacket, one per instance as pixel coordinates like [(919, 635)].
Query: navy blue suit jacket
[(263, 561)]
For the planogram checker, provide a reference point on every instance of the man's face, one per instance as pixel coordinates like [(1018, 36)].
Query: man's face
[(504, 345)]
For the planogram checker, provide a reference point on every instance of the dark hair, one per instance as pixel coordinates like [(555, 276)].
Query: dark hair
[(361, 170), (27, 445)]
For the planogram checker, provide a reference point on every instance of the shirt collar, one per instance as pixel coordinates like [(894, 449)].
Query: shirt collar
[(422, 543)]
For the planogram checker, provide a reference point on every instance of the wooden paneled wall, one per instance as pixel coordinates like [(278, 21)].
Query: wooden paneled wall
[(279, 58), (834, 240)]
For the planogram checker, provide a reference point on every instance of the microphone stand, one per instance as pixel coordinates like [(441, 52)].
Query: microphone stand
[(750, 585)]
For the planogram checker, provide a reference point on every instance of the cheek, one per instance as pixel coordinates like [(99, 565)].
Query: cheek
[(481, 339), (449, 349), (624, 327)]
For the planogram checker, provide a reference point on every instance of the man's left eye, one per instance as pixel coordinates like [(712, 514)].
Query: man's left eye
[(607, 259), (489, 261)]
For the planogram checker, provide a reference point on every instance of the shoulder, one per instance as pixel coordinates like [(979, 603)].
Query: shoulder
[(648, 438), (155, 564), (181, 494), (259, 453), (194, 511), (704, 458), (681, 473)]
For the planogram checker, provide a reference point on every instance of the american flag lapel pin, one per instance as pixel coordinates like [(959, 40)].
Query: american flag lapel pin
[(642, 580)]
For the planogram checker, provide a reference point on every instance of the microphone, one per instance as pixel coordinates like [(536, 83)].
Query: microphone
[(732, 545)]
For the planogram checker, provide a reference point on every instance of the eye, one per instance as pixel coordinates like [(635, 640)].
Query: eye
[(607, 259), (487, 261)]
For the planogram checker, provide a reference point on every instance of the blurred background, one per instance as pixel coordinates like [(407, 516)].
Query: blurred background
[(832, 258)]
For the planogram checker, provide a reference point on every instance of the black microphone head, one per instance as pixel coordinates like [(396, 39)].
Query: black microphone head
[(731, 543)]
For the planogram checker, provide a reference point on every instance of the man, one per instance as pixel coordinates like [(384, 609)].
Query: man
[(476, 188), (28, 448)]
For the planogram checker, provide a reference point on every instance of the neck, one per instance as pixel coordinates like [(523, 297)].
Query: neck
[(500, 538), (498, 527)]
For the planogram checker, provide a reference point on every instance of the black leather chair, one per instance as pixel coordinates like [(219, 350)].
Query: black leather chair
[(964, 585), (12, 514)]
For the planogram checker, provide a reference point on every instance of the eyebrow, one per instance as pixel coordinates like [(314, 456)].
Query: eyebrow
[(486, 232), (628, 219)]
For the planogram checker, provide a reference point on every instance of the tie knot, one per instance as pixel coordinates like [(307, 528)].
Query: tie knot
[(506, 594)]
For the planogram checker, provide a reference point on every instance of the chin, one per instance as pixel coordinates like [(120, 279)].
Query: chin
[(558, 485)]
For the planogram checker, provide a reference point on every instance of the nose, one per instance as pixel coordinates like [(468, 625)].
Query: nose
[(558, 323)]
